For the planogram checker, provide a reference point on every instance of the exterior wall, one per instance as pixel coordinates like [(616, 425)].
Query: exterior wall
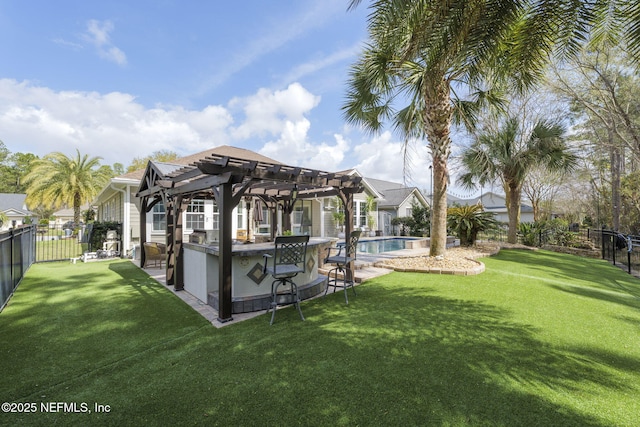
[(112, 208), (14, 216), (405, 208), (134, 219)]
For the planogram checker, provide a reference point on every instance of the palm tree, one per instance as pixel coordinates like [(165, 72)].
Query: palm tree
[(421, 50), (509, 153), (57, 180)]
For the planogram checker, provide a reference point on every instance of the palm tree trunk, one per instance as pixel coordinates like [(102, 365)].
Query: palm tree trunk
[(513, 208), (438, 117), (77, 201)]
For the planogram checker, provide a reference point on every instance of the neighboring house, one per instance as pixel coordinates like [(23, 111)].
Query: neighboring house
[(396, 200), (15, 209), (65, 215), (495, 203), (117, 202)]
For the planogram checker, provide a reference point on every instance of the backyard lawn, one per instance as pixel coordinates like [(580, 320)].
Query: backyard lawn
[(538, 339)]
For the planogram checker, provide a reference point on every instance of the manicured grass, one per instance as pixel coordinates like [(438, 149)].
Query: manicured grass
[(539, 339), (48, 250)]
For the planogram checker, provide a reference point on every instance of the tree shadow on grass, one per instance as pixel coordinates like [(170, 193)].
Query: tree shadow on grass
[(63, 319), (407, 355)]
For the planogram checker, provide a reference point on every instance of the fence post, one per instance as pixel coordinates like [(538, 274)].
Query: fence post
[(613, 247), (629, 249), (11, 270)]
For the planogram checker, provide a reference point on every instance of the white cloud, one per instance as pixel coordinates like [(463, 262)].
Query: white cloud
[(382, 158), (98, 35), (294, 148), (113, 126), (117, 128), (269, 112)]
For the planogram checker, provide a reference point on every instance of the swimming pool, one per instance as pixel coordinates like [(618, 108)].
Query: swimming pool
[(382, 245)]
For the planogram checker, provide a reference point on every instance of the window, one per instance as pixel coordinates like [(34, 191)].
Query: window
[(159, 218), (195, 215), (242, 223), (216, 217), (264, 225), (359, 213), (301, 223)]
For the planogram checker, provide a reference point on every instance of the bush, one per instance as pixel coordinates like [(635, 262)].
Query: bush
[(98, 232), (467, 221)]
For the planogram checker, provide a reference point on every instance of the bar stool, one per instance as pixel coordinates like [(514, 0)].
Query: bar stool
[(342, 258), (288, 259)]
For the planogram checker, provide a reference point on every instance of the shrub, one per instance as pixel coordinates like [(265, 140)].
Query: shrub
[(467, 221)]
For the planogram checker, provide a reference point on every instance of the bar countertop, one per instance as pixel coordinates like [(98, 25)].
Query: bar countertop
[(248, 249)]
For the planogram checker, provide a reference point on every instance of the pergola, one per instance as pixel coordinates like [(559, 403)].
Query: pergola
[(227, 180)]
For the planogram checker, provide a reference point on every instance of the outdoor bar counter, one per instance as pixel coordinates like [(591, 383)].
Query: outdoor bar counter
[(251, 288)]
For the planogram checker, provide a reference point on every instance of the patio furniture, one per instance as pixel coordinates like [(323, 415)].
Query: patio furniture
[(287, 260), (342, 256), (156, 252)]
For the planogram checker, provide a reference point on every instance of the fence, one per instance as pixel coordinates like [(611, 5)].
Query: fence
[(58, 243), (618, 248), (17, 253)]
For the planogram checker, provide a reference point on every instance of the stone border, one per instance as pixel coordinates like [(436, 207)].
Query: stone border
[(455, 272), (480, 268)]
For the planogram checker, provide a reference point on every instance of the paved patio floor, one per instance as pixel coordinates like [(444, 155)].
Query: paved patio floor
[(364, 271)]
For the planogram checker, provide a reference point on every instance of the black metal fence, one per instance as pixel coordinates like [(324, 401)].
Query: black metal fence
[(56, 243), (17, 253), (618, 248), (61, 242)]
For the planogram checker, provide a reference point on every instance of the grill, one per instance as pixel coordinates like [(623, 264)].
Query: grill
[(203, 236)]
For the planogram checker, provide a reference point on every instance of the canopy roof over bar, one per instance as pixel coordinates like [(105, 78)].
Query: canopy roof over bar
[(227, 180), (261, 179)]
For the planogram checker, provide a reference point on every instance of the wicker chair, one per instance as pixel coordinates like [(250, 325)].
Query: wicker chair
[(156, 252)]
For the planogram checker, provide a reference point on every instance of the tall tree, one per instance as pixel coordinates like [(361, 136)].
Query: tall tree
[(421, 50), (160, 156), (57, 180), (421, 55), (602, 91), (509, 153)]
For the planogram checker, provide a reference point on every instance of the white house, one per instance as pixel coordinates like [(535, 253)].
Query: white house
[(14, 207), (495, 203), (251, 219)]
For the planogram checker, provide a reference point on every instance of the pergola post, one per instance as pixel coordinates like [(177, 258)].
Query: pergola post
[(225, 208), (177, 261), (347, 200), (143, 229), (170, 208)]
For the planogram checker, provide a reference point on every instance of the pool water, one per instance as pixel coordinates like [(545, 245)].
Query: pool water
[(381, 245)]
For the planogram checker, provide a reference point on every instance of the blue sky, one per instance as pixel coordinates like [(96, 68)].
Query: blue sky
[(121, 79)]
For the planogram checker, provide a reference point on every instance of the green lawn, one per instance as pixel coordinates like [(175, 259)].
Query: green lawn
[(538, 339)]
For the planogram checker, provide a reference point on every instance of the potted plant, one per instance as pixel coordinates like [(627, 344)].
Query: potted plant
[(371, 218), (371, 222)]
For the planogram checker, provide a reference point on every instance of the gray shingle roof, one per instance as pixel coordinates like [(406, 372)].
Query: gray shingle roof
[(15, 202)]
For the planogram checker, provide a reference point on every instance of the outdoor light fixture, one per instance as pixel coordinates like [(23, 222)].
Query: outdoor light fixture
[(294, 192)]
